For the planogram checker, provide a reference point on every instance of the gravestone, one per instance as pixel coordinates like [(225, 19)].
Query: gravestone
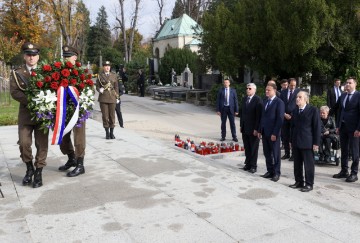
[(187, 78)]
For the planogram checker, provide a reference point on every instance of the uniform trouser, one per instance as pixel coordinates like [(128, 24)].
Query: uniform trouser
[(66, 145), (108, 114), (41, 144), (304, 158), (349, 143), (272, 155), (251, 145), (119, 115)]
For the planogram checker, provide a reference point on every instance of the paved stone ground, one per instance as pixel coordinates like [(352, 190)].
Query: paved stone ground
[(141, 188)]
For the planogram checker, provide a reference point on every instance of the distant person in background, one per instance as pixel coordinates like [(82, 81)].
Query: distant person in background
[(118, 105), (227, 107), (108, 87), (328, 131), (284, 84), (124, 79), (332, 97), (141, 82), (288, 96)]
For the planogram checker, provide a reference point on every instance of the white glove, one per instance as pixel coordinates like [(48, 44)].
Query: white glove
[(117, 101), (101, 90)]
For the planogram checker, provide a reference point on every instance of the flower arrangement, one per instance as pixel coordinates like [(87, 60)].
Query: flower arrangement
[(43, 89)]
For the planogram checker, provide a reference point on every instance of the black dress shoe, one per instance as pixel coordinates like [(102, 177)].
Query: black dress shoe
[(341, 174), (275, 178), (246, 168), (252, 170), (306, 188), (286, 156), (291, 158), (267, 175), (297, 185), (222, 139), (352, 178), (235, 140)]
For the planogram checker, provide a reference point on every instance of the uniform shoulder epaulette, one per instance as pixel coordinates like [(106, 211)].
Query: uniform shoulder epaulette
[(17, 67)]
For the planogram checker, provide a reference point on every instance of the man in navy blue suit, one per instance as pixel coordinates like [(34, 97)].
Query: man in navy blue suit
[(271, 122), (251, 110), (227, 107), (305, 139), (288, 96), (349, 126)]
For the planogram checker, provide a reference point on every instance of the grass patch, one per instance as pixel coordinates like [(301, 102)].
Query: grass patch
[(9, 112)]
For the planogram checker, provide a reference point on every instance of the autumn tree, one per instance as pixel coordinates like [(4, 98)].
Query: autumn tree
[(22, 17), (9, 47)]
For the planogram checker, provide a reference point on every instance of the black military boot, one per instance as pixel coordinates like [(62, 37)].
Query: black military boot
[(112, 133), (70, 163), (79, 169), (37, 178), (29, 173), (107, 133)]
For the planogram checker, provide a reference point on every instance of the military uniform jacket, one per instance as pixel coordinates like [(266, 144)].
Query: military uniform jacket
[(110, 85), (18, 83)]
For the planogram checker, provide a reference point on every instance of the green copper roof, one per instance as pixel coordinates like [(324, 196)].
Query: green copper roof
[(183, 26)]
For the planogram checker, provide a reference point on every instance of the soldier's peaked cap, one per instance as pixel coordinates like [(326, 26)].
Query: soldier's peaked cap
[(107, 63), (69, 51), (30, 48)]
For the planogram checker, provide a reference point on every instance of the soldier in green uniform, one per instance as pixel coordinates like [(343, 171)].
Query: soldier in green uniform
[(107, 86), (75, 155), (27, 127)]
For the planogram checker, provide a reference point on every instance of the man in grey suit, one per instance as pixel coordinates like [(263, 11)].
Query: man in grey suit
[(227, 107)]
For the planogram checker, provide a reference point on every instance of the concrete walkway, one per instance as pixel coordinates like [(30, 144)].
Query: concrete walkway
[(140, 189)]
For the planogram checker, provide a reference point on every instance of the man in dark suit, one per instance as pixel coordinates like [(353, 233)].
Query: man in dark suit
[(332, 96), (227, 107), (288, 96), (349, 126), (305, 138), (271, 122), (251, 110)]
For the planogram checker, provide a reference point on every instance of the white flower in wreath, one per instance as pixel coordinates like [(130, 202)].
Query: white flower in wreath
[(39, 98), (50, 97)]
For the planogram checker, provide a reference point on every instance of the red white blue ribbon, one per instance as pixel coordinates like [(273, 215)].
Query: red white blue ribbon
[(59, 129)]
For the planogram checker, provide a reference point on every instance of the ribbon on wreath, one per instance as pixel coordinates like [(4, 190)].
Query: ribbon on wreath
[(59, 129)]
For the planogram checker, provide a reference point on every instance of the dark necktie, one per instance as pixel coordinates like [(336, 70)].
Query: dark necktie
[(226, 96), (347, 100), (247, 100), (300, 111), (290, 94), (267, 104)]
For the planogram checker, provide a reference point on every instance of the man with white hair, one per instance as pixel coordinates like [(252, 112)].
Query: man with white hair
[(304, 140), (250, 117)]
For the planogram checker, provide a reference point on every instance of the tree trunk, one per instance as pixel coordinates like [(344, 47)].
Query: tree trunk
[(121, 22), (133, 27)]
